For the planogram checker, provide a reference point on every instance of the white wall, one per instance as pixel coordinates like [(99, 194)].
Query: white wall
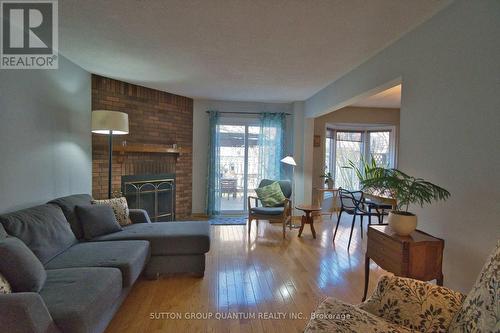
[(298, 150), (201, 138), (450, 124), (45, 149)]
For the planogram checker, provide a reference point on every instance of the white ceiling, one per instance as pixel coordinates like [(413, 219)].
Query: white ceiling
[(390, 98), (254, 50)]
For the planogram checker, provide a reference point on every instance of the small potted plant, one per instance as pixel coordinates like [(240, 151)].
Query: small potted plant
[(406, 190), (328, 178)]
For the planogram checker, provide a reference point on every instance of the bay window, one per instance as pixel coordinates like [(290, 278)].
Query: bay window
[(358, 144)]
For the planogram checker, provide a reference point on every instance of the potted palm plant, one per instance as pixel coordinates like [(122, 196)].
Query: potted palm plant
[(406, 190)]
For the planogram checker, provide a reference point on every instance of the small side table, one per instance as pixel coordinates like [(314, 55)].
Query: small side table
[(418, 256), (308, 218)]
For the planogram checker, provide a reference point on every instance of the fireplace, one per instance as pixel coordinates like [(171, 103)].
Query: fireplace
[(157, 121), (153, 193)]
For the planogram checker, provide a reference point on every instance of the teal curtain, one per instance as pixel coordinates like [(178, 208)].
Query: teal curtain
[(213, 181), (271, 145)]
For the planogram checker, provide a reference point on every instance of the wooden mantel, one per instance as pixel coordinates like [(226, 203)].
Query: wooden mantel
[(149, 148)]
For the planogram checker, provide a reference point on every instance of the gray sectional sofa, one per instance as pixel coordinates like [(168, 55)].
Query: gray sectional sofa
[(85, 282)]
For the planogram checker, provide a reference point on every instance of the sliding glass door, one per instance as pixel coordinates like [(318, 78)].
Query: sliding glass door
[(232, 167), (243, 150), (356, 145), (239, 167), (253, 153)]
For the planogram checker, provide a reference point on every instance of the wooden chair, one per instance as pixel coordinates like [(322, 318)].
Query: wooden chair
[(281, 214)]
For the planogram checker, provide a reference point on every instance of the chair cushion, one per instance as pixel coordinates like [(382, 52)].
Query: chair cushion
[(68, 204), (167, 238), (21, 268), (268, 210), (78, 298), (43, 229), (97, 220), (120, 208), (129, 256), (414, 304), (270, 195), (480, 310), (333, 315)]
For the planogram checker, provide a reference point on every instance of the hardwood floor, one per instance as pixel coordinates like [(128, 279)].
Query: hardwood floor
[(251, 279)]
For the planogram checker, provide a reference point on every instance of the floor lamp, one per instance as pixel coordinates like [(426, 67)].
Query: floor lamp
[(290, 161), (109, 123)]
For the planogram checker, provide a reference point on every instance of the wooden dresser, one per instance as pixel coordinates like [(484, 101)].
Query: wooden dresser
[(417, 256)]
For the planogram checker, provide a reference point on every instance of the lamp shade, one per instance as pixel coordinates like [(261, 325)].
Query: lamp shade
[(104, 121), (289, 160)]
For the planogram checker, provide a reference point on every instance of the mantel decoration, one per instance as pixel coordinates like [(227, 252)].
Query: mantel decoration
[(406, 190)]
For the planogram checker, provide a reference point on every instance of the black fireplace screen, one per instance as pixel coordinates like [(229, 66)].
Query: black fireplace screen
[(153, 193)]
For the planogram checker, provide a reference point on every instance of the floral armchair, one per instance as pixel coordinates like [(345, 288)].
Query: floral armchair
[(401, 305)]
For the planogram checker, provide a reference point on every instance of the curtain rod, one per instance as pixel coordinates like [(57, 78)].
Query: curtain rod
[(285, 113)]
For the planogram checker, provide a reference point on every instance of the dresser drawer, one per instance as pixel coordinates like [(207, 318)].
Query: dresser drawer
[(418, 255), (387, 254)]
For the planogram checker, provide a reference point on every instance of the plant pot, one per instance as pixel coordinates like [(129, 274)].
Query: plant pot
[(329, 183), (402, 223)]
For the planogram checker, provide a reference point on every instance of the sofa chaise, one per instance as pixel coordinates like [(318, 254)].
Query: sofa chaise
[(83, 283), (176, 247)]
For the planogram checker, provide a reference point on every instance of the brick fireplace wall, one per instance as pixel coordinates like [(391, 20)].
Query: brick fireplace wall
[(155, 117)]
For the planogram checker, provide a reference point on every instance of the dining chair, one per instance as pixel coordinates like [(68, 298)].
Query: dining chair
[(352, 202)]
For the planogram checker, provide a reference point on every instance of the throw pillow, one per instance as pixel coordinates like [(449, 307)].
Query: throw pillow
[(4, 285), (479, 312), (120, 208), (97, 220), (270, 195), (20, 266)]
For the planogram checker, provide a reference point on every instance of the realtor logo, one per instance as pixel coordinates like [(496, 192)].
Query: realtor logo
[(29, 38)]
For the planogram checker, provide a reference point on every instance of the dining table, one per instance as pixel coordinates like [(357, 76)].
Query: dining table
[(380, 202)]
